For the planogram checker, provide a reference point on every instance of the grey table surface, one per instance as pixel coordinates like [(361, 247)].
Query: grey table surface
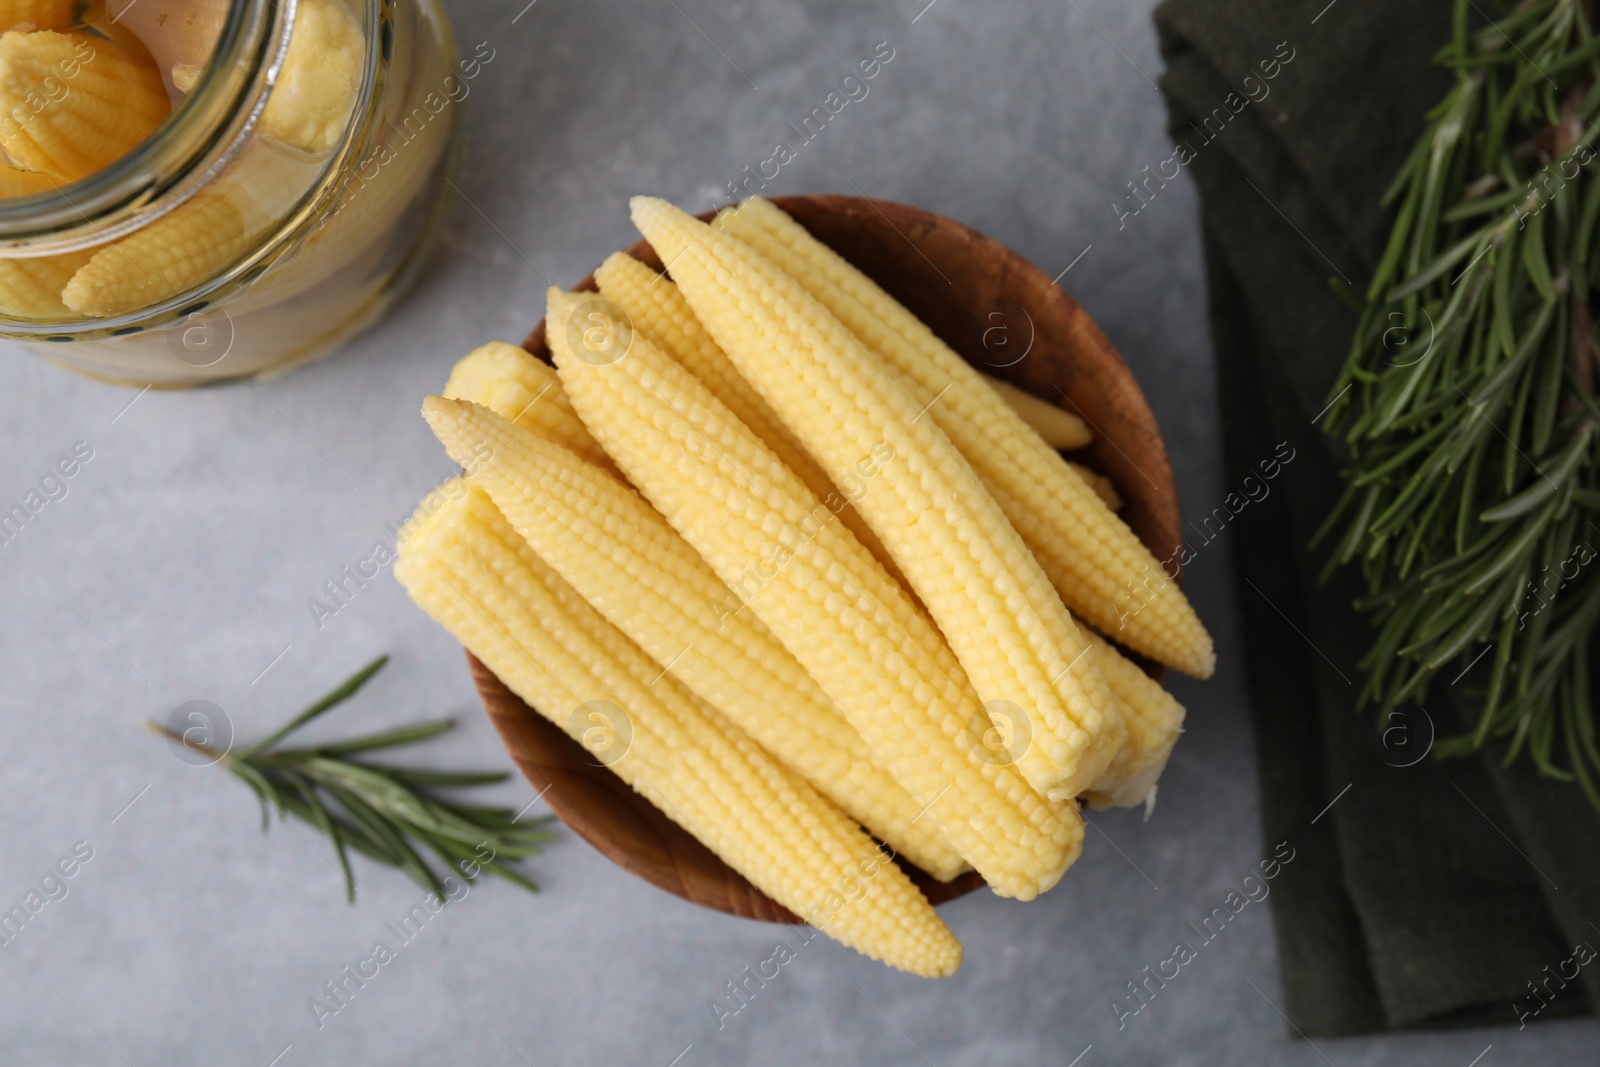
[(180, 563)]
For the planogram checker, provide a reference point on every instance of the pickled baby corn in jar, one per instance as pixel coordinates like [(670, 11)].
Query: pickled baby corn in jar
[(194, 190)]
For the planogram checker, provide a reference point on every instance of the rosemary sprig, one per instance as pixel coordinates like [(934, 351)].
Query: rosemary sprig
[(1472, 501), (381, 811)]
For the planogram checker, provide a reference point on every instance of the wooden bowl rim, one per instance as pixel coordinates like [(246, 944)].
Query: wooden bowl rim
[(660, 851)]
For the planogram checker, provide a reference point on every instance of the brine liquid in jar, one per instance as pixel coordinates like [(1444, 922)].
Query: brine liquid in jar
[(202, 189)]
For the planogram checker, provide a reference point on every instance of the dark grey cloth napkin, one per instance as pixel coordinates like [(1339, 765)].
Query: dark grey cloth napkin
[(1440, 893)]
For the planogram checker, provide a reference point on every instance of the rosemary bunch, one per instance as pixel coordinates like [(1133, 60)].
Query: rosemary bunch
[(380, 811), (1468, 395)]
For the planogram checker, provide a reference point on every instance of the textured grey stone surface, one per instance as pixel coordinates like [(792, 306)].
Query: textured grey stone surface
[(180, 562)]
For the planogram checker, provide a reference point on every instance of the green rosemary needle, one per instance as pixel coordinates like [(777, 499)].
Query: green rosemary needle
[(1468, 398), (381, 811)]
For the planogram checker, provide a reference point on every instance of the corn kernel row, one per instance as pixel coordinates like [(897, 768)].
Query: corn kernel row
[(1098, 565), (470, 571), (634, 568), (983, 587), (869, 646), (741, 621)]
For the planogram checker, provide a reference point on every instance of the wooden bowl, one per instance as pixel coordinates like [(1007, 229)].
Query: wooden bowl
[(1003, 315)]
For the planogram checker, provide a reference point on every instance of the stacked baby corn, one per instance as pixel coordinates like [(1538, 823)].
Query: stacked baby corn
[(76, 96), (794, 570)]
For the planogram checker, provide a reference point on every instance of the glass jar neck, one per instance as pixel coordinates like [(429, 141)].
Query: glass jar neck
[(192, 146)]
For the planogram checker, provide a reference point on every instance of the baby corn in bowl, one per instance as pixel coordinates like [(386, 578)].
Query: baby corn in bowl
[(203, 189), (757, 513)]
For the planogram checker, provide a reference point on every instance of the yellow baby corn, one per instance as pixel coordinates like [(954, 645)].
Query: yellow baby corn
[(994, 605), (31, 288), (1060, 429), (194, 242), (1154, 718), (467, 568), (625, 559), (37, 14), (858, 633), (316, 89), (71, 103), (1100, 484), (1096, 563), (514, 385), (16, 182), (659, 312)]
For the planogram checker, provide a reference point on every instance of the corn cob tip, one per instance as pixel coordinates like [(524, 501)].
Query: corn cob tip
[(448, 419), (558, 305), (451, 422), (437, 407), (474, 372), (556, 301), (750, 205), (654, 217), (643, 205), (1202, 662), (612, 261)]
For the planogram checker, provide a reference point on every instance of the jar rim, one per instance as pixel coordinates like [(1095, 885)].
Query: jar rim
[(193, 144)]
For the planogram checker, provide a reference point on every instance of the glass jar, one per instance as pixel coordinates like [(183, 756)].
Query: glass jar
[(273, 214)]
